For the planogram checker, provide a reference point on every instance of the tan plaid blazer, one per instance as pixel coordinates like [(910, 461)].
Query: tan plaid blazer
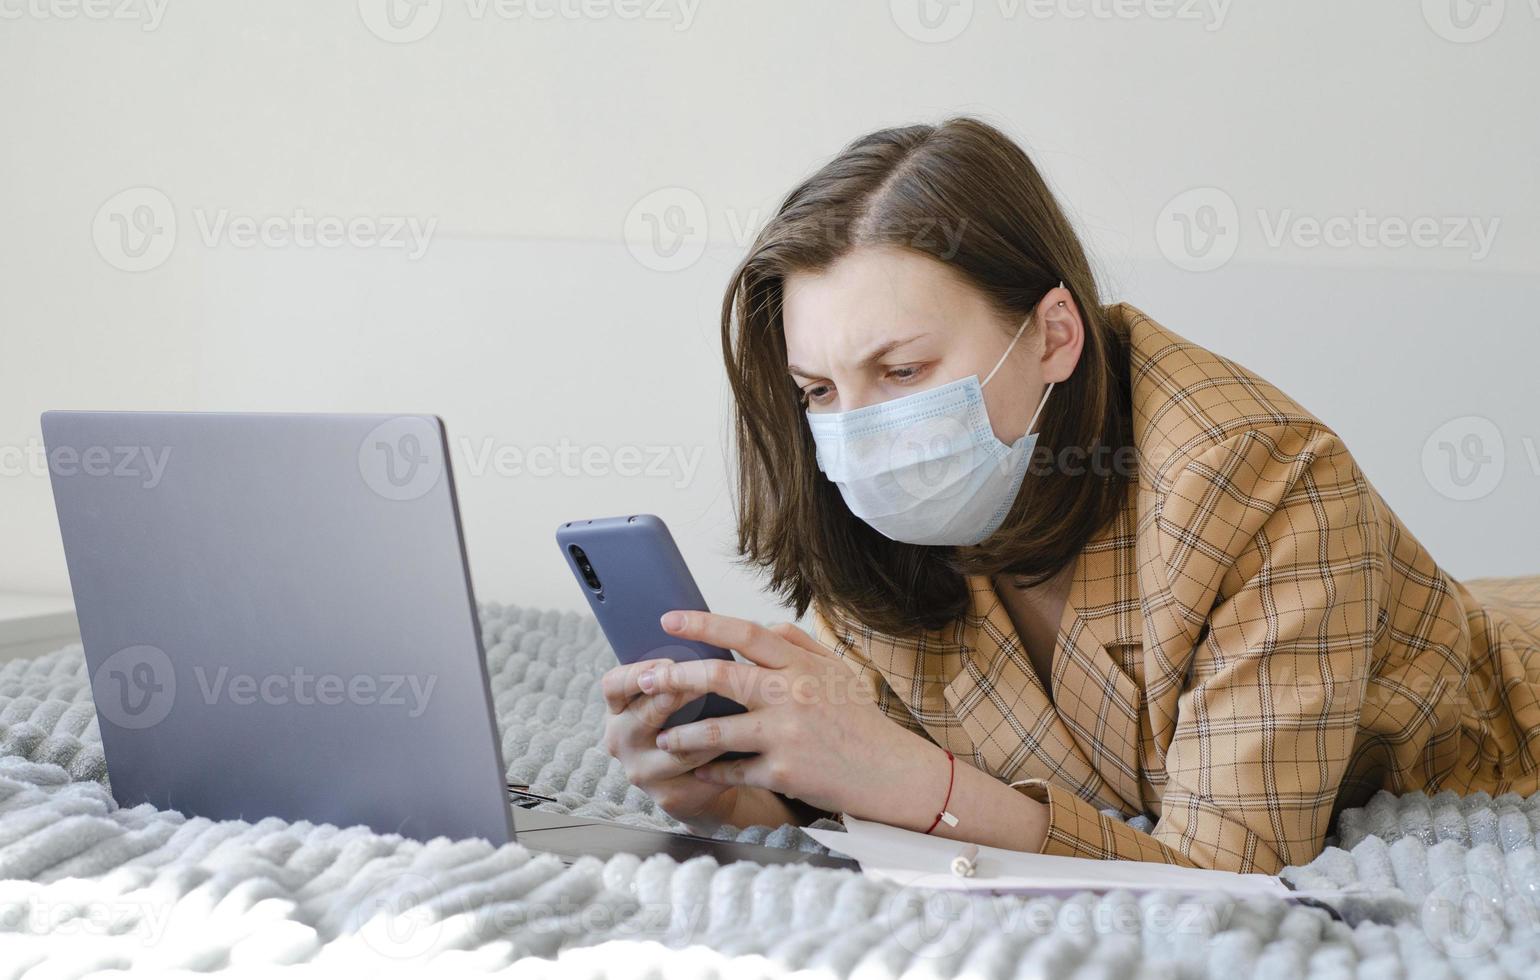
[(1253, 644)]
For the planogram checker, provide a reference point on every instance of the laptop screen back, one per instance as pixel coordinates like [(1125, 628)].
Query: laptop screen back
[(278, 618)]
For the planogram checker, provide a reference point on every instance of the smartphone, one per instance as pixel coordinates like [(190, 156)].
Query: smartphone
[(632, 573)]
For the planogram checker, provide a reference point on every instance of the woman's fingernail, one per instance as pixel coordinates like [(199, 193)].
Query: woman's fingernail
[(673, 620), (646, 681), (663, 741), (702, 774)]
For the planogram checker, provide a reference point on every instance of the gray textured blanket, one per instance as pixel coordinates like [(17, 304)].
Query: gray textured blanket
[(1439, 887)]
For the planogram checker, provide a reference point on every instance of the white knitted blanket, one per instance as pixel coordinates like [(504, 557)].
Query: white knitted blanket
[(1445, 886)]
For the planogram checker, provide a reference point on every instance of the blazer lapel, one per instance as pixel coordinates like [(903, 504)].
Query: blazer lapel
[(1089, 742), (1003, 709), (1096, 686)]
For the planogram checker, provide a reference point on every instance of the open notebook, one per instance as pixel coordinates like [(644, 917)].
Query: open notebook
[(908, 858)]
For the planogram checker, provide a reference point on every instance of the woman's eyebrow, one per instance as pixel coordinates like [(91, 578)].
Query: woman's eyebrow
[(876, 354)]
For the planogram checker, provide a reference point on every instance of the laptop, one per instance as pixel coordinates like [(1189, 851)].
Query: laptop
[(278, 619)]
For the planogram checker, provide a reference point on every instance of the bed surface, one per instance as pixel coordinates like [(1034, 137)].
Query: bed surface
[(1444, 886)]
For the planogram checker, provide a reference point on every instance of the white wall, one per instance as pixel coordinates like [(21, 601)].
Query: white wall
[(539, 313)]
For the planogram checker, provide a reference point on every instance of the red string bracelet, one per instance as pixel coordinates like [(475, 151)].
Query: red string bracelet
[(951, 821)]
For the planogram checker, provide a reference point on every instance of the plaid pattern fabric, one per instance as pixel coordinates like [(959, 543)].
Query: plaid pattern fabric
[(1253, 644)]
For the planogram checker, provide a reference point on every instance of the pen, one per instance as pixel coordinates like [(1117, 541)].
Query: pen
[(966, 863)]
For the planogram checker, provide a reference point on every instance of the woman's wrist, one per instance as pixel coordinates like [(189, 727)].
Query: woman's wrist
[(987, 810), (928, 794), (900, 793)]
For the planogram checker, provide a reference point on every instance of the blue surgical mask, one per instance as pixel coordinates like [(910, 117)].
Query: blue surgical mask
[(927, 468)]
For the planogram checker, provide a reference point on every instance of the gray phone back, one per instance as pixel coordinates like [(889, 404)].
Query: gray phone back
[(278, 618), (641, 576)]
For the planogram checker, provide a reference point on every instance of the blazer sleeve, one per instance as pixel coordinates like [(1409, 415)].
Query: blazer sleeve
[(1270, 555), (848, 644)]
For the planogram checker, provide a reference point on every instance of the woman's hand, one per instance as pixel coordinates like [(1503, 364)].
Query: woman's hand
[(819, 735), (630, 735)]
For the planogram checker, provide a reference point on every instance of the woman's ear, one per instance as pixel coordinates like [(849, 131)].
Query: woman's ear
[(1063, 333)]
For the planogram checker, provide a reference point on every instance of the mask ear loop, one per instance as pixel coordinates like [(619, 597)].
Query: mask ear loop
[(1012, 346), (1046, 392), (1008, 349)]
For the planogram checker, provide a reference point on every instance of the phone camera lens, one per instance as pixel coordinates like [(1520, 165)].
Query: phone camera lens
[(587, 568)]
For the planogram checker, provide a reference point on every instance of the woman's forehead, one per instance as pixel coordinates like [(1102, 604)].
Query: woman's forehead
[(864, 301), (875, 275)]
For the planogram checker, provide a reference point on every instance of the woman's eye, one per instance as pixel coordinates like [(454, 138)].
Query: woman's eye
[(818, 394), (906, 373)]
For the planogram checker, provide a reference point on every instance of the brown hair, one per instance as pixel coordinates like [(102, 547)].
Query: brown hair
[(964, 194)]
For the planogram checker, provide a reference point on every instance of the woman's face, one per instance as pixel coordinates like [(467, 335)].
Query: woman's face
[(882, 322)]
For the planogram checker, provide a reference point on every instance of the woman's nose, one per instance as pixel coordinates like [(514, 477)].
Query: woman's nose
[(856, 395)]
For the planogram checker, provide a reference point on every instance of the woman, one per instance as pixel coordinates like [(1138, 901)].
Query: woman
[(1065, 566)]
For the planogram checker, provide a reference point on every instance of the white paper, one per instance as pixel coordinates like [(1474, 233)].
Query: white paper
[(908, 858)]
